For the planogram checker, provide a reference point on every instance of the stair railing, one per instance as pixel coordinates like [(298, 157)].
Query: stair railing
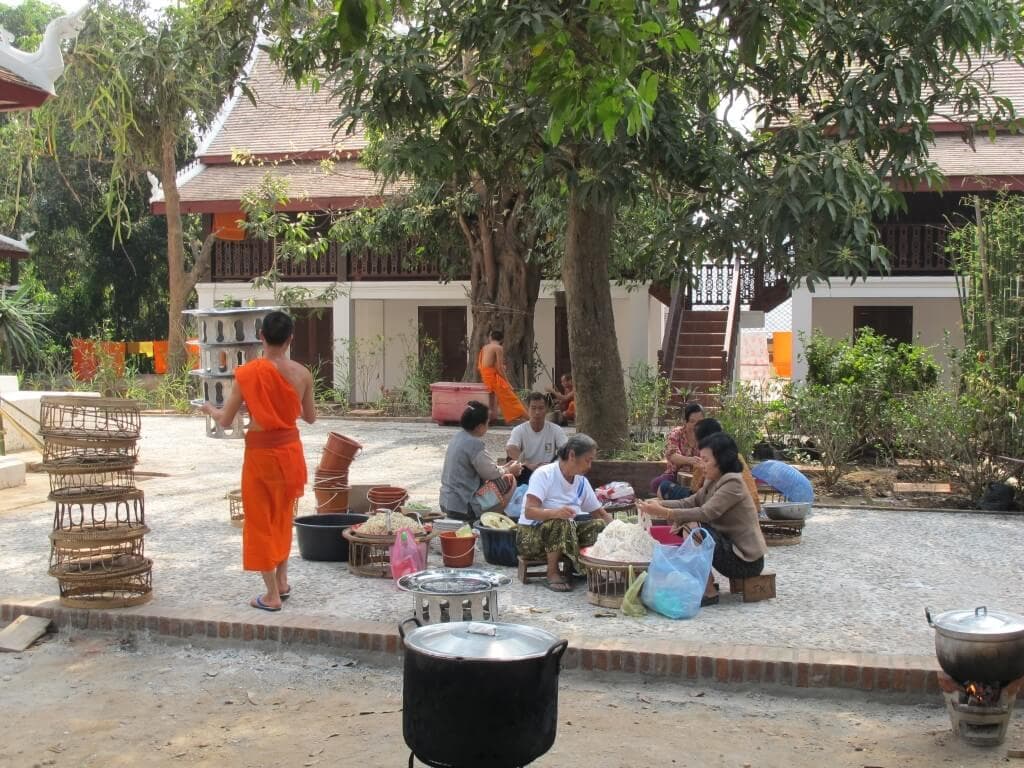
[(732, 328), (670, 339)]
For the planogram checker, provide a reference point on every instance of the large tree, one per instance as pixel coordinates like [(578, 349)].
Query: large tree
[(137, 88), (613, 98)]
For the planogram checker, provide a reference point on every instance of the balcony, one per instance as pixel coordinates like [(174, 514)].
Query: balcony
[(916, 248), (245, 260)]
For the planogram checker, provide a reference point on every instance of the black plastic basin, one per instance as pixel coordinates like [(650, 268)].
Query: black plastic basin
[(320, 535)]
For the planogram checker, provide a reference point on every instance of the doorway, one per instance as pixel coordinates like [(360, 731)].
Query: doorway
[(445, 327), (313, 344)]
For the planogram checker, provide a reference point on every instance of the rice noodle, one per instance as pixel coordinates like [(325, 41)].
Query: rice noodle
[(623, 542)]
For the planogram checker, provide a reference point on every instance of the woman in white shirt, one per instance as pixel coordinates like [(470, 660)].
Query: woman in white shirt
[(557, 494)]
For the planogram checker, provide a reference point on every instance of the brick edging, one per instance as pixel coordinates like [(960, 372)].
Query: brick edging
[(911, 676)]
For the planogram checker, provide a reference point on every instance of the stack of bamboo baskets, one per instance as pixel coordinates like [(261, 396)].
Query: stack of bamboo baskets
[(97, 553)]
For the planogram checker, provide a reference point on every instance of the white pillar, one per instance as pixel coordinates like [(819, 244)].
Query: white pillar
[(638, 325), (342, 332), (803, 325)]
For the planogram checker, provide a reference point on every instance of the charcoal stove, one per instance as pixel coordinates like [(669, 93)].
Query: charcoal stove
[(979, 712)]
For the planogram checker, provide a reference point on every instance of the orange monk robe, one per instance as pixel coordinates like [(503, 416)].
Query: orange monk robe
[(511, 406), (274, 469)]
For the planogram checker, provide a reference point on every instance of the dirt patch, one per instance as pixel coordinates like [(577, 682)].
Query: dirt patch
[(874, 486), (100, 701)]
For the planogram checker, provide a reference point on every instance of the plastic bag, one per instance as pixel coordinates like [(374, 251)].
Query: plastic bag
[(406, 556), (615, 492), (631, 604), (515, 504), (677, 577)]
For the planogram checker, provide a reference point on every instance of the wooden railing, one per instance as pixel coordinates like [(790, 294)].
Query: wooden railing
[(670, 339), (916, 248), (732, 328), (374, 265), (245, 260)]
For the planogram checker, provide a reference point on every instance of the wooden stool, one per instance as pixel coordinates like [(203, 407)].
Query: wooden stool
[(755, 588), (538, 569)]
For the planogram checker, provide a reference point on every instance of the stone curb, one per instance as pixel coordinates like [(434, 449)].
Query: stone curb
[(940, 510), (912, 677)]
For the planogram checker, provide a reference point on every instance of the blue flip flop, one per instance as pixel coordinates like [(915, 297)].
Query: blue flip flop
[(286, 595), (257, 602)]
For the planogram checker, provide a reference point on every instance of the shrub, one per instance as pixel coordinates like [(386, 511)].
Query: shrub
[(753, 412), (874, 369), (648, 397), (825, 415)]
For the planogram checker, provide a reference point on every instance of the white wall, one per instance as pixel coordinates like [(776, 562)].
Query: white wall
[(830, 310)]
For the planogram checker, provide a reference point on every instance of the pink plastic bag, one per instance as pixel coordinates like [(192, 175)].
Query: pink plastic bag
[(406, 556)]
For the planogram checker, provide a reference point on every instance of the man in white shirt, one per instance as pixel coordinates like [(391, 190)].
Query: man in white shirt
[(535, 442)]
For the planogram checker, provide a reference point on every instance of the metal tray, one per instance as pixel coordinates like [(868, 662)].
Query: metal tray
[(453, 581)]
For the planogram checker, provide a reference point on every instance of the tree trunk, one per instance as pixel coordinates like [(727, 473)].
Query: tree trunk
[(593, 347), (504, 286), (178, 279)]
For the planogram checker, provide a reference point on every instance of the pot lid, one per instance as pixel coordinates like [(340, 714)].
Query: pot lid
[(453, 581), (980, 623), (481, 641)]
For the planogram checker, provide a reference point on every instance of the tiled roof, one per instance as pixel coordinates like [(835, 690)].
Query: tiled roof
[(18, 93), (284, 119), (955, 157), (311, 185)]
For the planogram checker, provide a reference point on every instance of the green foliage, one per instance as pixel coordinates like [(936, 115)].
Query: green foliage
[(647, 397), (991, 287), (826, 415), (965, 433), (752, 412), (875, 370), (422, 368), (23, 330)]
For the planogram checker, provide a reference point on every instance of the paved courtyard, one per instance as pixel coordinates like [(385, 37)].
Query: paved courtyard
[(859, 581)]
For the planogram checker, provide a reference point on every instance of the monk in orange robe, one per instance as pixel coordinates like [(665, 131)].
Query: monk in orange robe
[(276, 391), (491, 364)]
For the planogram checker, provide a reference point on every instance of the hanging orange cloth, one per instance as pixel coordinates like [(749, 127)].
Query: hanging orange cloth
[(274, 468), (511, 406), (227, 226)]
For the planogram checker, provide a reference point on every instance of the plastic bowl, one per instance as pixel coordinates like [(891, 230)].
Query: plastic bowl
[(498, 544), (320, 536)]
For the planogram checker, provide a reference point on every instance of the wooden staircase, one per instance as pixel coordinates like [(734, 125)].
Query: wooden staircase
[(697, 365)]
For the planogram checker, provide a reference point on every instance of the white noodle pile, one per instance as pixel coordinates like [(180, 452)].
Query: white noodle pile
[(623, 542)]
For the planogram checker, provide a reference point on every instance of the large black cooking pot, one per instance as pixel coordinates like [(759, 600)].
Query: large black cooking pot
[(979, 645), (478, 694)]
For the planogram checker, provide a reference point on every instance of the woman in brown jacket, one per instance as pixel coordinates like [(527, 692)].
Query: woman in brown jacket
[(723, 507)]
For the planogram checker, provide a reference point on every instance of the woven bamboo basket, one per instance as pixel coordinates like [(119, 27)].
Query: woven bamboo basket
[(81, 454), (89, 417), (237, 510), (94, 549), (782, 533), (126, 509), (371, 555), (607, 580), (127, 581), (86, 484)]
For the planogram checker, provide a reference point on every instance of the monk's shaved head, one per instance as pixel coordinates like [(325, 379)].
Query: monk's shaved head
[(277, 328)]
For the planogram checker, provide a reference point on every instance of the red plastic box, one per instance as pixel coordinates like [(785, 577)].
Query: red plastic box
[(448, 399)]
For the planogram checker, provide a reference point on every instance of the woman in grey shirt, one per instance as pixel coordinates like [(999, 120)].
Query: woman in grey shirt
[(467, 466)]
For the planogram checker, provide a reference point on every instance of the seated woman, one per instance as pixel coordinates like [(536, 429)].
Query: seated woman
[(681, 452), (670, 490), (724, 507), (564, 401), (467, 466), (557, 493)]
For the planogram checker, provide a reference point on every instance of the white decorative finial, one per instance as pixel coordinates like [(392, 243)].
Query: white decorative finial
[(43, 66)]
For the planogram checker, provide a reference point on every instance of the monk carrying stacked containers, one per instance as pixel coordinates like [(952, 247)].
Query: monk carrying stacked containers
[(491, 364), (277, 391)]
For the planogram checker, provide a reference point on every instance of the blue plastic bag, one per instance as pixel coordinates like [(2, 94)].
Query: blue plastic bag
[(515, 505), (678, 576)]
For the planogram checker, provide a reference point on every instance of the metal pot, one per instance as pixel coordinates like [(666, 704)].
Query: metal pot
[(479, 694), (979, 645)]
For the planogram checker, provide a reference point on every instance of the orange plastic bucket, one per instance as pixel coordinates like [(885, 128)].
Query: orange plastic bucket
[(457, 551)]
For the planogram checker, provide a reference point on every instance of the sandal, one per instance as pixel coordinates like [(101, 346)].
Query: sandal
[(288, 593), (558, 586), (257, 602), (710, 600)]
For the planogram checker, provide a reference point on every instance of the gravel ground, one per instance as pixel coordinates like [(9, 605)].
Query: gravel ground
[(858, 582), (99, 703)]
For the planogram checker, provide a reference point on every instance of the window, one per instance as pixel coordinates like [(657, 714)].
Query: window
[(895, 322)]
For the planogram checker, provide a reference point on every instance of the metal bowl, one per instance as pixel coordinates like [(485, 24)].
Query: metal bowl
[(787, 510)]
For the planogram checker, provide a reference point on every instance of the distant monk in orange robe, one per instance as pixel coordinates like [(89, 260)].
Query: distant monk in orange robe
[(491, 364), (276, 391)]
